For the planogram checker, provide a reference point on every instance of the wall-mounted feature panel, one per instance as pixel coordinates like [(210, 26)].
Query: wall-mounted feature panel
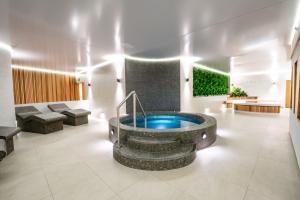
[(295, 117), (288, 98), (37, 87), (206, 83), (157, 84), (295, 71), (298, 110)]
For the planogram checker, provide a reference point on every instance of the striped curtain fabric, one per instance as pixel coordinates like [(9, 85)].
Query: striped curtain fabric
[(38, 87)]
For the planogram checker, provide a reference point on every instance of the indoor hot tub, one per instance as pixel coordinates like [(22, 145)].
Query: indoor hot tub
[(164, 122), (162, 140)]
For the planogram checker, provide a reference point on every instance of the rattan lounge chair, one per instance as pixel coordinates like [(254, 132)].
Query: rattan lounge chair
[(32, 120), (7, 140), (2, 149), (75, 117)]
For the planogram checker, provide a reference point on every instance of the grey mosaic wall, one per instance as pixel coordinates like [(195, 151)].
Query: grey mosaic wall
[(157, 84)]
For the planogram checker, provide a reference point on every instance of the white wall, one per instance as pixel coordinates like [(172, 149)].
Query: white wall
[(105, 93), (263, 73), (294, 122), (7, 115)]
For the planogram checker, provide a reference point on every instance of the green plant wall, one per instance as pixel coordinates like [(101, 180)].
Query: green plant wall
[(206, 83)]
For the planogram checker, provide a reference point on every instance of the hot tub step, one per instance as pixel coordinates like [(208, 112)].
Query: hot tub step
[(133, 158), (152, 144)]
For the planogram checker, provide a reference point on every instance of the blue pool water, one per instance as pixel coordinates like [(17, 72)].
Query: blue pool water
[(164, 122)]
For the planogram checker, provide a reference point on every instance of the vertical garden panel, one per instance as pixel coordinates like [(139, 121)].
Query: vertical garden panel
[(207, 83)]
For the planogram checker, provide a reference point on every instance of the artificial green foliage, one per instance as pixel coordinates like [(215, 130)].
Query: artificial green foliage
[(238, 92), (206, 83)]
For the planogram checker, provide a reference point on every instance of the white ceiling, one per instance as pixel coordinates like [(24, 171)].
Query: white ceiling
[(61, 34)]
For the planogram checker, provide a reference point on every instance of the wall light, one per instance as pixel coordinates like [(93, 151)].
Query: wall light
[(204, 136), (27, 68), (187, 79), (118, 80), (210, 69)]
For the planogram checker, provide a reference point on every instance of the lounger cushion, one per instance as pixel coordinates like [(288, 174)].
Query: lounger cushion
[(76, 113), (59, 107), (26, 111), (48, 117), (26, 116)]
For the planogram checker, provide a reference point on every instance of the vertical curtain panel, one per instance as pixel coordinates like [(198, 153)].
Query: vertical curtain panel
[(38, 87)]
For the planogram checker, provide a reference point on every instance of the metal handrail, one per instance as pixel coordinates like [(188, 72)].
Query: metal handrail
[(135, 97)]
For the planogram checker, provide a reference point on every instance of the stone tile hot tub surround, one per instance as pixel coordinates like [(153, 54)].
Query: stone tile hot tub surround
[(161, 149)]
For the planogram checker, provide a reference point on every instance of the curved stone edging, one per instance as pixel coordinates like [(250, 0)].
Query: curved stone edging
[(148, 163), (161, 149), (192, 134)]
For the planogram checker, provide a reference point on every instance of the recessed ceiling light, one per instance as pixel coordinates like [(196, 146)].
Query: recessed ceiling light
[(6, 47), (74, 23), (295, 25), (210, 69)]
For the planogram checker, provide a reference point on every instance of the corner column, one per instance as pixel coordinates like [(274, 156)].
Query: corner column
[(7, 109)]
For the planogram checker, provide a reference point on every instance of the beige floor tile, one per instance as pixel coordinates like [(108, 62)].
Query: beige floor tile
[(30, 187), (76, 181), (150, 188), (117, 176), (276, 180), (250, 195), (252, 158)]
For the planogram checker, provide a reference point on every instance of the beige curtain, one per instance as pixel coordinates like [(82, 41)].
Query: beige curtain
[(37, 87)]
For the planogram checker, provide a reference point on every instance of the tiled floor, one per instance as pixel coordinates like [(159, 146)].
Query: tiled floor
[(252, 159)]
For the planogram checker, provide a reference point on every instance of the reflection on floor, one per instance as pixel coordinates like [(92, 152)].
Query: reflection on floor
[(252, 159)]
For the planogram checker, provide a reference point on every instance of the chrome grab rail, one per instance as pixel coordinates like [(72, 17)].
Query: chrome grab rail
[(135, 97)]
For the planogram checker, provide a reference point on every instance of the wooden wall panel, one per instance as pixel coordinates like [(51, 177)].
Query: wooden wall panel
[(298, 114), (44, 87), (288, 94), (29, 87), (295, 71), (38, 87)]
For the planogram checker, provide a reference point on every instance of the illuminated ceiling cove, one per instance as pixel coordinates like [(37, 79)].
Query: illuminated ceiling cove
[(63, 34)]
